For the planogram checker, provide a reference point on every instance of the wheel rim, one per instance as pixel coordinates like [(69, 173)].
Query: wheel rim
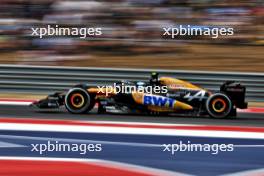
[(219, 105), (77, 100)]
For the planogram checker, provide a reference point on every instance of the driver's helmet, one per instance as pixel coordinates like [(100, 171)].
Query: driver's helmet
[(124, 83), (140, 83), (154, 78)]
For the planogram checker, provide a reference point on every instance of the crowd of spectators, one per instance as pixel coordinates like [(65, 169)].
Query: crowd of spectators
[(129, 26)]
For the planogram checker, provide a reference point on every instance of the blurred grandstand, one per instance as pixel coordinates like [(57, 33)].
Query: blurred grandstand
[(132, 33)]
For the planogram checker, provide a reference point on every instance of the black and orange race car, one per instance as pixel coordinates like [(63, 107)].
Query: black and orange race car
[(164, 95)]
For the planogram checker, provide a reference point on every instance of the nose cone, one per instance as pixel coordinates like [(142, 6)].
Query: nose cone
[(34, 105), (43, 103)]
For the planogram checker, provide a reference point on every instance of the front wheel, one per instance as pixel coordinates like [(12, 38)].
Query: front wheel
[(79, 101), (219, 105)]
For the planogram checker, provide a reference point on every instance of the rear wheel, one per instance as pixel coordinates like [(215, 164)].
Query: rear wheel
[(78, 101), (219, 105)]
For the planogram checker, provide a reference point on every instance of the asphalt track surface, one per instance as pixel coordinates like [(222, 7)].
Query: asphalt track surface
[(17, 111)]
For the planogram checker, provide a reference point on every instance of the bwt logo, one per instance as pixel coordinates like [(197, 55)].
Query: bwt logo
[(158, 101)]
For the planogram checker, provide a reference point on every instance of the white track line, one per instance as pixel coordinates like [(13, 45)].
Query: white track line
[(134, 144), (129, 130), (9, 145), (254, 172), (18, 103)]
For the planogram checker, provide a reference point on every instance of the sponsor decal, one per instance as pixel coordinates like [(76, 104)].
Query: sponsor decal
[(158, 101), (176, 86), (199, 95)]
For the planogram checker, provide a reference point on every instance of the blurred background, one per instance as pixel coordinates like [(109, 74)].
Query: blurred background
[(132, 34)]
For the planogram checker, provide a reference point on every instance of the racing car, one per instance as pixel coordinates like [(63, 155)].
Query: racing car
[(172, 96)]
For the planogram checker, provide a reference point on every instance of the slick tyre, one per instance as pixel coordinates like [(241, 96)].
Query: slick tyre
[(79, 101), (219, 106)]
